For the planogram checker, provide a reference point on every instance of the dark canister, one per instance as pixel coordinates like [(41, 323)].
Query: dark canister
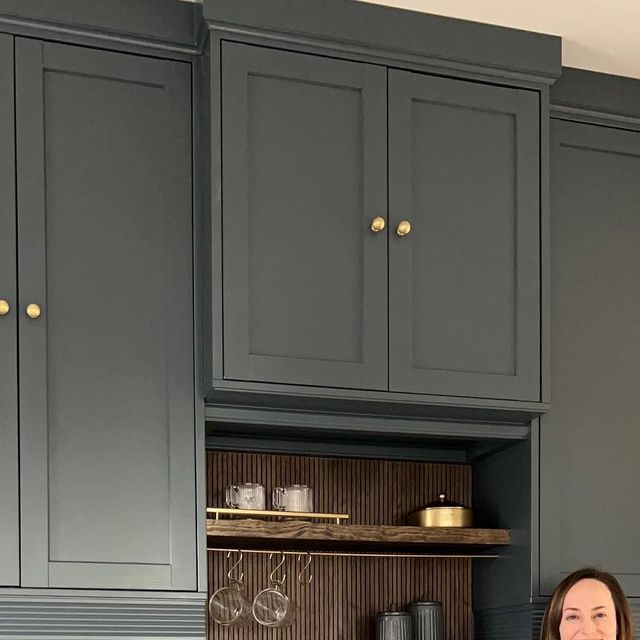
[(394, 625), (428, 620)]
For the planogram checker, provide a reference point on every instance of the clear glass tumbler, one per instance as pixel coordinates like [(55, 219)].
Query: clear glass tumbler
[(293, 497)]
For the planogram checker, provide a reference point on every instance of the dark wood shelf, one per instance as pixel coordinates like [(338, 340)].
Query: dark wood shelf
[(297, 535)]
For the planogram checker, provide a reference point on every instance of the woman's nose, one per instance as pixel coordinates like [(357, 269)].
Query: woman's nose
[(589, 628)]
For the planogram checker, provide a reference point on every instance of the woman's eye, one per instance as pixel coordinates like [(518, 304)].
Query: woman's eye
[(571, 616), (601, 614)]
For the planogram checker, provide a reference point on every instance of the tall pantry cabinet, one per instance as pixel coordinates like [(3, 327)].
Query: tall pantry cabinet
[(100, 320), (9, 539)]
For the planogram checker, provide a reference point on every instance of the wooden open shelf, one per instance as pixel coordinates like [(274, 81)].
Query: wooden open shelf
[(346, 594), (310, 535)]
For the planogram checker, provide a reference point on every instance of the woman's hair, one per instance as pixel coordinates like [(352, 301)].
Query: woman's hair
[(553, 614)]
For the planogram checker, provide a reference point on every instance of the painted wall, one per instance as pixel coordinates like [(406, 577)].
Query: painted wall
[(600, 35)]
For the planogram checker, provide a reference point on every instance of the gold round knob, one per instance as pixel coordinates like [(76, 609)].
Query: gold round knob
[(377, 224), (403, 228), (4, 307), (33, 311)]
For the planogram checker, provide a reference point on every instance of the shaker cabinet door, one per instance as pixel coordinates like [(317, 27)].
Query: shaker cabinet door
[(589, 442), (304, 276), (464, 302), (106, 359), (9, 516)]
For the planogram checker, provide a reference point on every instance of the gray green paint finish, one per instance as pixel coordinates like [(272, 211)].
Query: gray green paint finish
[(589, 475), (48, 613), (396, 33), (165, 23), (464, 302), (597, 92), (106, 373), (9, 517), (304, 279)]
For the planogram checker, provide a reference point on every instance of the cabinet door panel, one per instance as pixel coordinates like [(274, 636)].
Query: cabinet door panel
[(304, 278), (464, 283), (9, 518), (106, 375), (589, 474)]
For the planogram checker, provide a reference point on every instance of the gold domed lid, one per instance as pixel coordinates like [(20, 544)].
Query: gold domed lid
[(443, 502)]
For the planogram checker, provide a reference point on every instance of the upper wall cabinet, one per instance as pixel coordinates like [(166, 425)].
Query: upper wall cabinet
[(304, 177), (464, 229), (105, 319), (380, 229)]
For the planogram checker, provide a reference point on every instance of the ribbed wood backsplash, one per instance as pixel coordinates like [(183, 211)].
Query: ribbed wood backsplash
[(346, 593)]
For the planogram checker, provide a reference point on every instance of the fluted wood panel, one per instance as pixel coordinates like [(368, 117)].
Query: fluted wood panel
[(346, 593)]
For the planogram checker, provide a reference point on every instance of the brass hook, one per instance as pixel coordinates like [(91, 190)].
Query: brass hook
[(272, 575), (309, 577), (234, 566)]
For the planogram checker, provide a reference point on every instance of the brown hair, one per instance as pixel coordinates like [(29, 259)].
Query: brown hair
[(553, 614)]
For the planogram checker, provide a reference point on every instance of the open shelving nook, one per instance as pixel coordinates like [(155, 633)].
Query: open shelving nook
[(376, 560)]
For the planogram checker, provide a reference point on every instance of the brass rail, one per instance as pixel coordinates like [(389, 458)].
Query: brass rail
[(298, 515)]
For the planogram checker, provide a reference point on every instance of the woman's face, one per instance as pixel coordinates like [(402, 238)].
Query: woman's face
[(588, 612)]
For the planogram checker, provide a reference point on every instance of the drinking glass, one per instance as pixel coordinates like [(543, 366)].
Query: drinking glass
[(293, 497), (271, 606), (228, 606), (245, 495)]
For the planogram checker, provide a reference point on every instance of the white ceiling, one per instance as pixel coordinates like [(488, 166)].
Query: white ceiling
[(601, 35)]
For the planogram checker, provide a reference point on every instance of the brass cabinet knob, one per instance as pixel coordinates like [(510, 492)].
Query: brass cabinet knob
[(33, 311), (404, 227), (4, 308), (377, 224)]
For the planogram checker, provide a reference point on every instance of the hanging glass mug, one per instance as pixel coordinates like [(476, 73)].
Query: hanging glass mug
[(272, 607), (229, 606)]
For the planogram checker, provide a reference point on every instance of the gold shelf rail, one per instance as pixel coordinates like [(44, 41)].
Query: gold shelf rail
[(217, 512)]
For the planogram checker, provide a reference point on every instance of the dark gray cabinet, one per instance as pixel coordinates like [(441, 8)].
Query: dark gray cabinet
[(107, 470), (589, 473), (305, 279), (311, 295), (9, 518), (464, 302)]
